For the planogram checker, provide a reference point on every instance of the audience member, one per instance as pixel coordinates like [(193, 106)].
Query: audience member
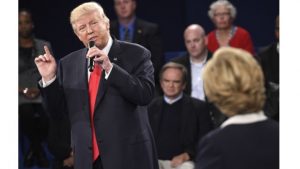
[(222, 13), (129, 27), (33, 120), (234, 82), (195, 60), (269, 59), (177, 120), (105, 100)]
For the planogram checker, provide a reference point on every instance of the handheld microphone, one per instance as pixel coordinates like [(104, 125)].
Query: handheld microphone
[(91, 59)]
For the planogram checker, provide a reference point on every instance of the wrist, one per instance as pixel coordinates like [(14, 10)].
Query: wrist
[(48, 78), (108, 68)]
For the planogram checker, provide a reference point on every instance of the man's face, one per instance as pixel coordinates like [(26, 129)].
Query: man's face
[(222, 18), (195, 42), (125, 8), (92, 27), (25, 25), (172, 82)]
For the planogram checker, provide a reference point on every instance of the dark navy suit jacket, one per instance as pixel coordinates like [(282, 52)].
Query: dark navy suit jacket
[(121, 123), (241, 146)]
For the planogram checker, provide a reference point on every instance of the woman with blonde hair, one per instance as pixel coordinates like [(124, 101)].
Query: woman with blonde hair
[(234, 82)]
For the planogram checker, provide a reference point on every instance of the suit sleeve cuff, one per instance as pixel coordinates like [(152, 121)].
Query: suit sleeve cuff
[(44, 84), (107, 74)]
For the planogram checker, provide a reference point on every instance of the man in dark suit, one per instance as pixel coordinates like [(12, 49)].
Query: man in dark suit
[(109, 125), (177, 120), (195, 60), (130, 28)]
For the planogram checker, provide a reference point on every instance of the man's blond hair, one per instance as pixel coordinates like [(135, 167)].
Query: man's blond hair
[(85, 8)]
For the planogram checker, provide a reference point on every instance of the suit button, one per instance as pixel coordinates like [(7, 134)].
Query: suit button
[(90, 147)]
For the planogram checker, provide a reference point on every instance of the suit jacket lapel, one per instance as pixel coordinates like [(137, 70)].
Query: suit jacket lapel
[(189, 76), (138, 31)]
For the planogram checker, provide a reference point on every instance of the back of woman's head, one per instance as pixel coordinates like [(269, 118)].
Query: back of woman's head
[(233, 81)]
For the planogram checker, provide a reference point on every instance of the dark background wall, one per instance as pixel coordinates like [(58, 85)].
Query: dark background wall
[(51, 19)]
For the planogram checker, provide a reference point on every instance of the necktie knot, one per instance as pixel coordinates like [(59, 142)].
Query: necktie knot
[(127, 35)]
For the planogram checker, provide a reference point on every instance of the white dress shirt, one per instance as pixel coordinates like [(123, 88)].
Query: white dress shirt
[(197, 81), (171, 101)]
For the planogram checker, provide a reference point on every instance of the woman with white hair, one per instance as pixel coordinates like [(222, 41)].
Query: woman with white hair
[(234, 82), (222, 13)]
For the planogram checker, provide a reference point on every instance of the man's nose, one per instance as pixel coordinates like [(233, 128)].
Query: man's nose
[(89, 29)]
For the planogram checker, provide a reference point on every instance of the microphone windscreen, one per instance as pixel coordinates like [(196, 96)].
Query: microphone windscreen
[(91, 44)]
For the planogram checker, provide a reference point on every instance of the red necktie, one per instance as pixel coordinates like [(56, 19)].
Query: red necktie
[(93, 90)]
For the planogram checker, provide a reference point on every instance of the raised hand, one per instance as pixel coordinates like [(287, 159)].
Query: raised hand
[(46, 65), (101, 58)]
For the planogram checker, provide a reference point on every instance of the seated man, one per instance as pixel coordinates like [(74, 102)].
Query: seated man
[(177, 120), (195, 60)]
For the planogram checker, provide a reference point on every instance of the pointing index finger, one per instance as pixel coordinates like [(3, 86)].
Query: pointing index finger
[(47, 51)]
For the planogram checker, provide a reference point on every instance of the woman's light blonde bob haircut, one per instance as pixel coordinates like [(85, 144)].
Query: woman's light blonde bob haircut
[(234, 82)]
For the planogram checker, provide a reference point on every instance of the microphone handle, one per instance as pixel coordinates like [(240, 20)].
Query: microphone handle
[(91, 64)]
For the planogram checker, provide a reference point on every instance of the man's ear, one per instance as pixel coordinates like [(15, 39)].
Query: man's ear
[(183, 86), (205, 40)]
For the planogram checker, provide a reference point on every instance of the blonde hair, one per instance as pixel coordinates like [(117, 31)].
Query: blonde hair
[(225, 3), (85, 8), (234, 82)]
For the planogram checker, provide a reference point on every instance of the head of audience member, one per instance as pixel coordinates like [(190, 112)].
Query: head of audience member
[(90, 23), (125, 9), (234, 82), (25, 24), (222, 13), (173, 79), (195, 42), (277, 28)]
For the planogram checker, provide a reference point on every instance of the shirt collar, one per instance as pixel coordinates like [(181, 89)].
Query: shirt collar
[(245, 118), (130, 26), (171, 101), (106, 49), (201, 63)]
